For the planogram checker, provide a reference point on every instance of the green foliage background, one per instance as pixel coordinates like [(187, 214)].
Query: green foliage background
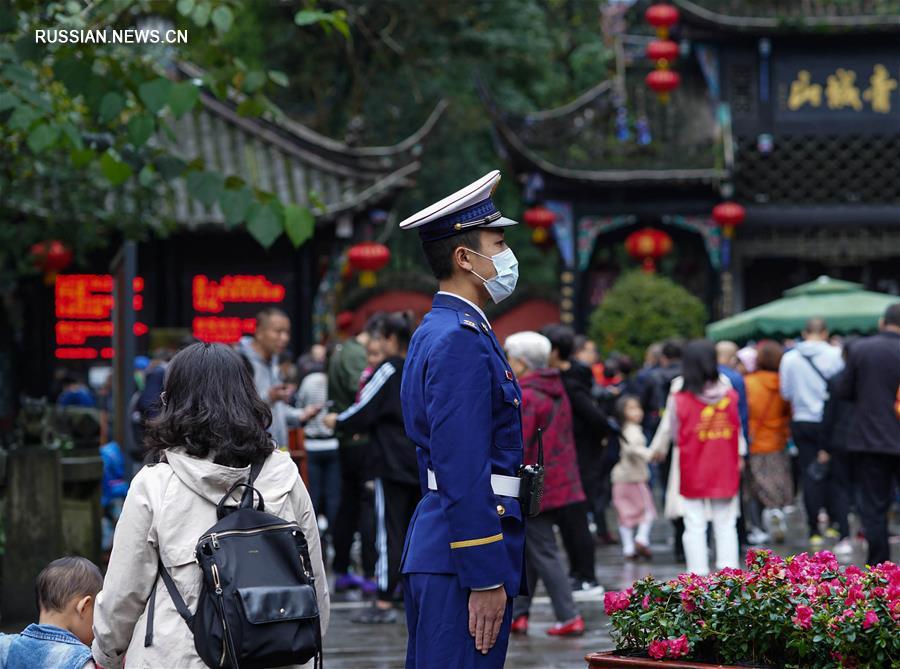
[(641, 309)]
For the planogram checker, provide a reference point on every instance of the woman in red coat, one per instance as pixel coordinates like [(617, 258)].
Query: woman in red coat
[(545, 405)]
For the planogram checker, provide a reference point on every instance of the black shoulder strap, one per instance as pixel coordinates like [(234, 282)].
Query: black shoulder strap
[(556, 405), (177, 599), (818, 371), (254, 472)]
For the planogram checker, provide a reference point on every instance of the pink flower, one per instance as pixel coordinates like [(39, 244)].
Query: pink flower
[(802, 617), (614, 602), (870, 619), (679, 647), (687, 602), (854, 594), (645, 603), (657, 649)]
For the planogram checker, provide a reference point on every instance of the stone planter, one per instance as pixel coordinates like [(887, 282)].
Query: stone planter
[(609, 660)]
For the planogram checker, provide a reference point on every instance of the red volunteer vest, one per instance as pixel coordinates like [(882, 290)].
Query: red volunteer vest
[(708, 446)]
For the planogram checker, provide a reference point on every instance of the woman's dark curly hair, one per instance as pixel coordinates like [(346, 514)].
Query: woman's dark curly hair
[(210, 405)]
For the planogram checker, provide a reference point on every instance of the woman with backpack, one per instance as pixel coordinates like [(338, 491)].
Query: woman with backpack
[(702, 418), (209, 439)]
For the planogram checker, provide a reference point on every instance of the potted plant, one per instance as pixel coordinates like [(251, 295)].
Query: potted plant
[(801, 611)]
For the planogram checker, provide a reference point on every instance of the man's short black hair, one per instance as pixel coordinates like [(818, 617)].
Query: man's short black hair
[(561, 337), (263, 316), (64, 579), (892, 315), (439, 253), (672, 349)]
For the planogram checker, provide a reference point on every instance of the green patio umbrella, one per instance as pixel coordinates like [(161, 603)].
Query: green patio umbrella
[(845, 306)]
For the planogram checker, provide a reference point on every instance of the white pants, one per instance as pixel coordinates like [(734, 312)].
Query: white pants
[(723, 514), (628, 537)]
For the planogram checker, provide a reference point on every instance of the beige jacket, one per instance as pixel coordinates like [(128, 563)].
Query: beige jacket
[(634, 457), (168, 507)]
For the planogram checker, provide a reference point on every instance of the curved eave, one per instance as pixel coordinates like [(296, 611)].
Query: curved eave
[(338, 151), (695, 13)]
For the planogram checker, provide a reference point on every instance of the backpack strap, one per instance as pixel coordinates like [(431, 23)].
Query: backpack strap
[(177, 599)]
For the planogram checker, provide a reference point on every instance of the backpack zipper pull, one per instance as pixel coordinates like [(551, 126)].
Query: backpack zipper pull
[(216, 581), (215, 540)]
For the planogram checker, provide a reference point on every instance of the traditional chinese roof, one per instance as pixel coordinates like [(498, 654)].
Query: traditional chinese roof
[(295, 163), (578, 142), (765, 16)]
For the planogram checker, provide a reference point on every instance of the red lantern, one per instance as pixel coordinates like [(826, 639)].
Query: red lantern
[(51, 257), (368, 258), (663, 82), (663, 51), (344, 320), (539, 217), (662, 17), (729, 215), (648, 245)]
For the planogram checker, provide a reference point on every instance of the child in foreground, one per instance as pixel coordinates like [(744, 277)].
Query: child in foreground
[(630, 493), (61, 639)]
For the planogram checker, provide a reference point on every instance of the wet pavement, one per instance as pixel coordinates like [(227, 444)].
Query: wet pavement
[(350, 645)]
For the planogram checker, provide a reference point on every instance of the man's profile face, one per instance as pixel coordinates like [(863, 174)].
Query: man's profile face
[(273, 334), (493, 241)]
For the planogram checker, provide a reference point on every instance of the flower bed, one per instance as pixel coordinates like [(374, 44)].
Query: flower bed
[(801, 611)]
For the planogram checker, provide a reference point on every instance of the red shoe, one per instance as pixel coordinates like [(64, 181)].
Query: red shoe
[(574, 627), (520, 625)]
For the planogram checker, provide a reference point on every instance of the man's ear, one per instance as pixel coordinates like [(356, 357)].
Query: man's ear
[(82, 604), (461, 258)]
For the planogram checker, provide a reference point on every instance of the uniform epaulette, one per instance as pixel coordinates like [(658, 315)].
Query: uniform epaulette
[(468, 321)]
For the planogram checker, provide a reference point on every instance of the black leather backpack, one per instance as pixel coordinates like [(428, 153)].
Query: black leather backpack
[(257, 605)]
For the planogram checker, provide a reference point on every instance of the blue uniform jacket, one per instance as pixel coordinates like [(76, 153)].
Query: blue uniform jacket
[(461, 408)]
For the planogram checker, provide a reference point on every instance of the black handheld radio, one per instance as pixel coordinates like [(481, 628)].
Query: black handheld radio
[(531, 489)]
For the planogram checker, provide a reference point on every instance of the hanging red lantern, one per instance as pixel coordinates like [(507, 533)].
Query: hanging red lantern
[(51, 257), (648, 245), (729, 215), (662, 17), (539, 218), (663, 82), (368, 258), (344, 320), (663, 52)]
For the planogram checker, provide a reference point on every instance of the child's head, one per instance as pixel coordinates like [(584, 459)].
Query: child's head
[(66, 589), (629, 410)]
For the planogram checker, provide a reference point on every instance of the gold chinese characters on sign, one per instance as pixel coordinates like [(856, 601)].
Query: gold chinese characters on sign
[(841, 91)]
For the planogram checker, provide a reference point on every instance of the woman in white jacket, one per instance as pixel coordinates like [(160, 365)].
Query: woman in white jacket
[(211, 428)]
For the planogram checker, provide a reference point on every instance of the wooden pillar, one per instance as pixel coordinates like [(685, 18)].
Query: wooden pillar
[(33, 526)]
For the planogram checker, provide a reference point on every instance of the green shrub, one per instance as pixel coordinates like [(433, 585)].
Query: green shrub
[(641, 309)]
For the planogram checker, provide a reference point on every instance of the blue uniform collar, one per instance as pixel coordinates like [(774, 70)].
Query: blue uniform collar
[(449, 300)]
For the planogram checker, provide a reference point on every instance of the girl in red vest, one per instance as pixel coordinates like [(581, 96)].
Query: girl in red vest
[(702, 413)]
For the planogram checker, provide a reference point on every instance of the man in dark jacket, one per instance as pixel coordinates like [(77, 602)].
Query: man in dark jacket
[(872, 380), (589, 425)]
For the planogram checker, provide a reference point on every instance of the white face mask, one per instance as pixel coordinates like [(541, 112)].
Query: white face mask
[(507, 267)]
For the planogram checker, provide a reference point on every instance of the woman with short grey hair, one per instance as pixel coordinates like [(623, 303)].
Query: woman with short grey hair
[(545, 406)]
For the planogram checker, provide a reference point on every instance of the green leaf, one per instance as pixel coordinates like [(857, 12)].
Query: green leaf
[(306, 17), (8, 101), (222, 18), (81, 157), (154, 94), (235, 204), (185, 7), (183, 98), (42, 137), (74, 73), (146, 176), (205, 186), (170, 167), (263, 223), (254, 81), (19, 74), (7, 20), (278, 77), (201, 14), (41, 101), (115, 171), (22, 118), (298, 223), (111, 106), (6, 50), (140, 128), (28, 49), (251, 107)]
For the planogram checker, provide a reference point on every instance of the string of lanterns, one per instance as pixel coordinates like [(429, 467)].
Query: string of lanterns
[(662, 51), (648, 245), (368, 258)]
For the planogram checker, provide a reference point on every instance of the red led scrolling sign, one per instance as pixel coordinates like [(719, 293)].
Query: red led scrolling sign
[(83, 305), (211, 297)]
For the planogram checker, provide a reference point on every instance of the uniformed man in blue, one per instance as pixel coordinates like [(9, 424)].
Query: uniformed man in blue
[(464, 552)]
